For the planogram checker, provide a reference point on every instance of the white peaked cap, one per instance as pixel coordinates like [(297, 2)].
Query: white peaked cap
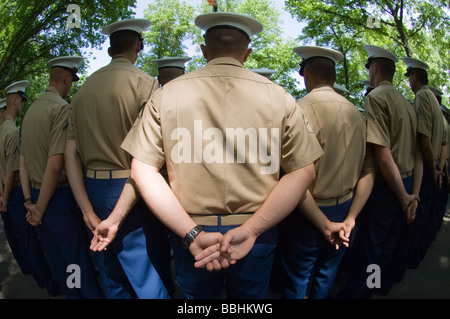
[(243, 23), (136, 25), (16, 87), (412, 63), (2, 103), (376, 52), (306, 52), (264, 72), (340, 88), (68, 62), (172, 62)]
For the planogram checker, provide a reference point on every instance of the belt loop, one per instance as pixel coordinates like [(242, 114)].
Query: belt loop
[(95, 174)]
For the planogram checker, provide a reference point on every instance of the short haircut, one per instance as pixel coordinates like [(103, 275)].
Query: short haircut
[(421, 74), (123, 41), (322, 68), (225, 40), (386, 67)]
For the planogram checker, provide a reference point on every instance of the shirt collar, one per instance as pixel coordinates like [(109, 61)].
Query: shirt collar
[(322, 87), (51, 89), (225, 60), (385, 82), (120, 60)]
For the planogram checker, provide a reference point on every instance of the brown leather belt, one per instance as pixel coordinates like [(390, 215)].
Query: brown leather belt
[(116, 174), (223, 220)]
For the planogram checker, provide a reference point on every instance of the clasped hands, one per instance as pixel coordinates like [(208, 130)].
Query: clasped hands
[(34, 214), (215, 251)]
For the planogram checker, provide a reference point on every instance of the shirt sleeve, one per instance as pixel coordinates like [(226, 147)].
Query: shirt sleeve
[(58, 130), (300, 146), (144, 140), (377, 123), (424, 115), (12, 151)]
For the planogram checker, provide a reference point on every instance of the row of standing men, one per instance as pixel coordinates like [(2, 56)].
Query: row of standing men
[(380, 172)]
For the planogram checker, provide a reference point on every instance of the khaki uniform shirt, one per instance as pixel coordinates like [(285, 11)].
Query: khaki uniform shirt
[(223, 132), (103, 111), (429, 119), (44, 131), (392, 123), (341, 131), (9, 148)]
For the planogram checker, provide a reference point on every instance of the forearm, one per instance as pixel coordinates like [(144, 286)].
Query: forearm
[(418, 173), (390, 172), (9, 185), (76, 178), (427, 152), (126, 202), (312, 212), (363, 190), (24, 178), (282, 200), (443, 157), (49, 181), (159, 198)]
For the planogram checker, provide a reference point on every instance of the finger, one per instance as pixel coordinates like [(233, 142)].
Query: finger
[(225, 243), (216, 265), (206, 261), (224, 262), (104, 243), (207, 251)]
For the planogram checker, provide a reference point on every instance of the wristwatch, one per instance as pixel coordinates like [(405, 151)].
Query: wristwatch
[(189, 238)]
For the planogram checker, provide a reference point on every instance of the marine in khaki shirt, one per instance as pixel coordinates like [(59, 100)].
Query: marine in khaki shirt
[(9, 148), (98, 132), (36, 151), (429, 119), (430, 127), (10, 139), (392, 123), (339, 168), (341, 131), (222, 158), (223, 132), (102, 112)]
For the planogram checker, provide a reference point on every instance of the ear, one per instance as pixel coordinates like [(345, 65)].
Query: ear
[(110, 52), (204, 51), (247, 53), (138, 47)]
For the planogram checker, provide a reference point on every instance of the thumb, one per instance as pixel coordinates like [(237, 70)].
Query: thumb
[(226, 241)]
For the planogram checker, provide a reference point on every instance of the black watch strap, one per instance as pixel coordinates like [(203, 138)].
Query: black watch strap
[(189, 238)]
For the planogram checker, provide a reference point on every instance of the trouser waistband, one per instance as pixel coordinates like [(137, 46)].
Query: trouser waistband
[(58, 185), (223, 220), (334, 201), (116, 174)]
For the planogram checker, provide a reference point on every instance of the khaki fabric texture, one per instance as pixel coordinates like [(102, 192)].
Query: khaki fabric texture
[(223, 132)]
